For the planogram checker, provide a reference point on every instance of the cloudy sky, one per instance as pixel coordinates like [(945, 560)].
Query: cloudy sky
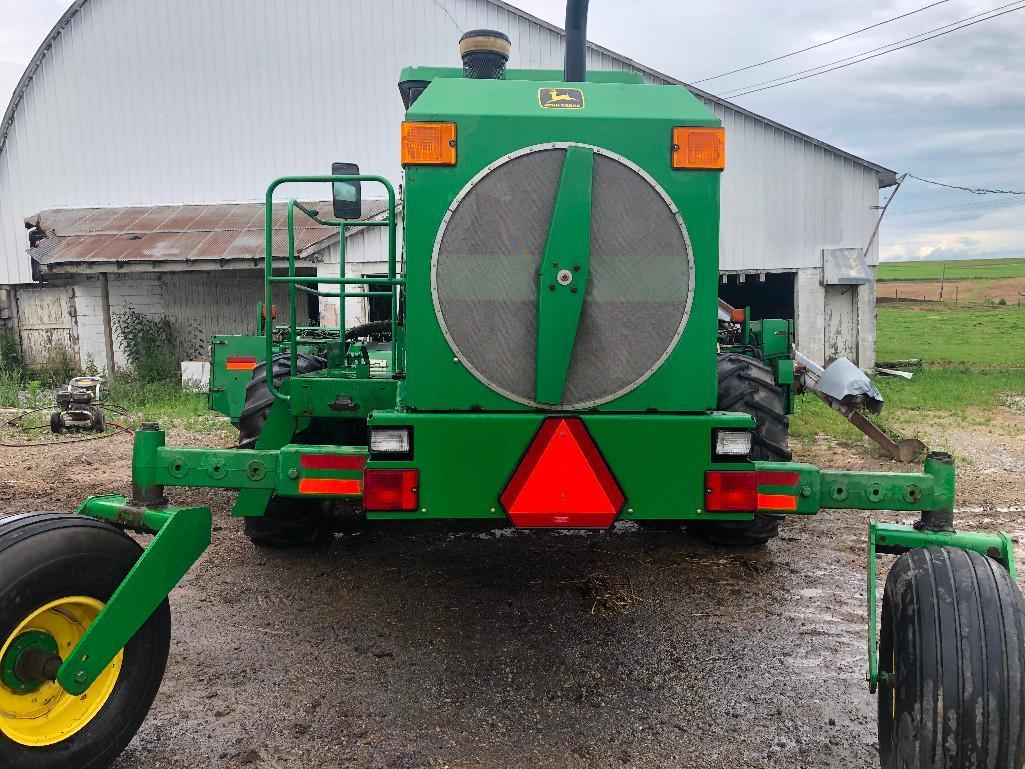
[(950, 109)]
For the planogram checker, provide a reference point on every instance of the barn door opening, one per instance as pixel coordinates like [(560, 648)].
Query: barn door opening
[(768, 294), (841, 323)]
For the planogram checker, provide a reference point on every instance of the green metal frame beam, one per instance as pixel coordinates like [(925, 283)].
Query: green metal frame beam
[(562, 280), (817, 489), (274, 467), (894, 539), (182, 534)]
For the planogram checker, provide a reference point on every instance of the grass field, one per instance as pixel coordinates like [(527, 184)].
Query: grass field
[(948, 333), (973, 362), (956, 269)]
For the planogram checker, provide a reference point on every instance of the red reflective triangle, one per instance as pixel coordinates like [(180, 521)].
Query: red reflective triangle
[(562, 481)]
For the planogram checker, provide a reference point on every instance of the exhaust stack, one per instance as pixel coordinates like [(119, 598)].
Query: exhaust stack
[(575, 67)]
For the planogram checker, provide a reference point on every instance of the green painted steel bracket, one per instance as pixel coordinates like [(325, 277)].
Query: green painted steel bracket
[(894, 539), (182, 534), (258, 473), (278, 431), (562, 279), (330, 394), (816, 489)]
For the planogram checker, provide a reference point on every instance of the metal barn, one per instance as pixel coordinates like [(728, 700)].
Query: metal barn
[(140, 126)]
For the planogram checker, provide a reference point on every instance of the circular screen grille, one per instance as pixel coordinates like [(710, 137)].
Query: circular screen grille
[(486, 272)]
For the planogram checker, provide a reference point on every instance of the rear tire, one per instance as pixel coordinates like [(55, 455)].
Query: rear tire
[(259, 398), (952, 642), (47, 559), (288, 523), (748, 386)]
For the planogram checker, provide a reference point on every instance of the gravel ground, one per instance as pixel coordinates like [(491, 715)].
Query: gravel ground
[(427, 646)]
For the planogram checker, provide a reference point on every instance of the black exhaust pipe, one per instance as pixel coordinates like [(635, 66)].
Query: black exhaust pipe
[(575, 67)]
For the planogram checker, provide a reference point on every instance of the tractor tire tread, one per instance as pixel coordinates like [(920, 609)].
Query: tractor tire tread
[(48, 556), (259, 398), (953, 626), (747, 385)]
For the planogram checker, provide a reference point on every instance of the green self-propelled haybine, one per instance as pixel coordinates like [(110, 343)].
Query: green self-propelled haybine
[(552, 358)]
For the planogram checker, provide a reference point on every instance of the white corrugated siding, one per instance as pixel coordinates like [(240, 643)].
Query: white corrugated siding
[(172, 101), (784, 199)]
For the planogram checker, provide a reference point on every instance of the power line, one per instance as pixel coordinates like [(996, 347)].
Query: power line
[(958, 231), (879, 48), (973, 190), (888, 48), (819, 45), (753, 89), (963, 205)]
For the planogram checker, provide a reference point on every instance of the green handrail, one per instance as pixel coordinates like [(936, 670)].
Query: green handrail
[(296, 282)]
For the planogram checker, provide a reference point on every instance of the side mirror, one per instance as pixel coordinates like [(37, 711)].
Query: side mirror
[(345, 196)]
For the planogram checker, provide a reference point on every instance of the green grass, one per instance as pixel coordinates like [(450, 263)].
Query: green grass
[(163, 402), (132, 403), (947, 333), (956, 269), (974, 361), (935, 392)]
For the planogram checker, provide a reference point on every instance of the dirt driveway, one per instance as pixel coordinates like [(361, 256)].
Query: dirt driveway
[(425, 646)]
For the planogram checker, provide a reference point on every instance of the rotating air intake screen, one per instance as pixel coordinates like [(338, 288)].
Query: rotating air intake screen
[(609, 289)]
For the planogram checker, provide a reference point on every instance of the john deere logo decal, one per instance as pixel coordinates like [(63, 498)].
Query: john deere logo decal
[(561, 98)]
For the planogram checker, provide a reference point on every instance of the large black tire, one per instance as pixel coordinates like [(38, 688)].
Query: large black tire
[(747, 385), (287, 522), (290, 522), (45, 557), (258, 396), (952, 645)]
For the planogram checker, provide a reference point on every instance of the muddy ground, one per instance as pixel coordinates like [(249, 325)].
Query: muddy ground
[(1011, 290), (425, 646)]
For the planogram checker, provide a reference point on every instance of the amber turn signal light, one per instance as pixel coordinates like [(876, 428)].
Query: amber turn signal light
[(699, 148), (428, 144)]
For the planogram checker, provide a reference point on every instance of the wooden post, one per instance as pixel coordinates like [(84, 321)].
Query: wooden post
[(108, 331), (943, 277)]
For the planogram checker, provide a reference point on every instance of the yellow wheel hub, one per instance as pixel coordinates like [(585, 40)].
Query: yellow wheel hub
[(49, 714)]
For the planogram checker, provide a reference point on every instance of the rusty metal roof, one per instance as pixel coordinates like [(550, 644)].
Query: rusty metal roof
[(185, 233)]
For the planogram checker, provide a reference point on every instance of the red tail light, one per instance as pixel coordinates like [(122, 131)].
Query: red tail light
[(396, 490), (730, 491)]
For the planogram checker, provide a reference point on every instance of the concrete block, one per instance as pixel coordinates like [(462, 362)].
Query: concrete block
[(196, 375)]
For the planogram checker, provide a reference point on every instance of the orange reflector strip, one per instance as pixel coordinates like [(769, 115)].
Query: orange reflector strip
[(428, 144), (699, 148), (332, 461), (348, 487), (777, 502), (240, 363)]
